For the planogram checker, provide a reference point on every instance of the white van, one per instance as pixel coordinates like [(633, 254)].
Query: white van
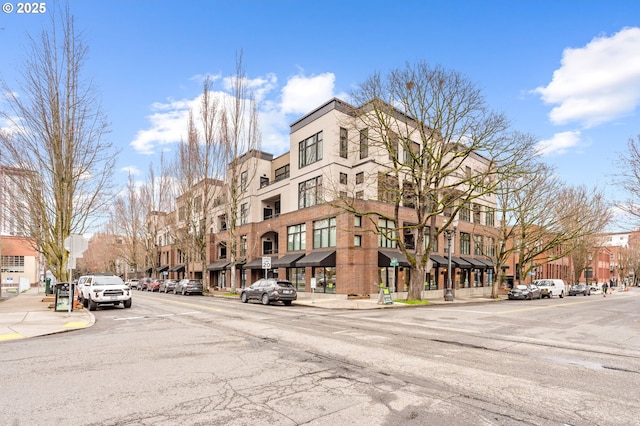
[(551, 287)]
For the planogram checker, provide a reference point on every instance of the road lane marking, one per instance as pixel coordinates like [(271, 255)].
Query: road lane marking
[(533, 308), (157, 316)]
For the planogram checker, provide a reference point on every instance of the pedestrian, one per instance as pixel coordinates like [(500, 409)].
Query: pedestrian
[(604, 289)]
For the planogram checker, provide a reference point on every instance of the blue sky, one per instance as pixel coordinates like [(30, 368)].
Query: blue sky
[(567, 72)]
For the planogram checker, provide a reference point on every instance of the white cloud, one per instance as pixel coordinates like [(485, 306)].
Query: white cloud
[(597, 83), (303, 94), (300, 95), (167, 125), (131, 170), (559, 144)]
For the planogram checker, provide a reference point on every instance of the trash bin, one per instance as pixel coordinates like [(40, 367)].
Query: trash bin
[(48, 288), (64, 296)]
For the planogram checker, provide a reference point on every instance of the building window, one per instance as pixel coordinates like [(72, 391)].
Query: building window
[(490, 216), (297, 278), (223, 223), (12, 264), (477, 245), (387, 233), (409, 239), (491, 247), (408, 194), (222, 250), (465, 243), (244, 213), (357, 221), (244, 180), (388, 188), (393, 146), (476, 213), (359, 178), (343, 178), (324, 233), (282, 173), (412, 154), (310, 192), (364, 143), (344, 142), (243, 245), (359, 195), (310, 150), (465, 213), (357, 240), (296, 237)]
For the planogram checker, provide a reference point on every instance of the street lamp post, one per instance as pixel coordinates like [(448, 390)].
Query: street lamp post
[(449, 233)]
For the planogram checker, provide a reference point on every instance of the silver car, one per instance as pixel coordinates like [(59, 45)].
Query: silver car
[(269, 290)]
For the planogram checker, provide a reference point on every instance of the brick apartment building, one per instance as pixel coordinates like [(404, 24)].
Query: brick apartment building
[(283, 216)]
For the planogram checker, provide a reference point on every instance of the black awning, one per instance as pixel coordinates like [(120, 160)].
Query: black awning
[(385, 257), (438, 261), (459, 263), (163, 268), (257, 263), (488, 263), (287, 261), (476, 263), (218, 266), (177, 268), (318, 258)]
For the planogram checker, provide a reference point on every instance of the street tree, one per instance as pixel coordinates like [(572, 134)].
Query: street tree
[(240, 140), (198, 167), (57, 134), (443, 149), (127, 219), (629, 179), (156, 197)]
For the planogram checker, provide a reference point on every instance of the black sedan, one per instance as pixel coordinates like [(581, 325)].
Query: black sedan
[(580, 288), (269, 290), (525, 292)]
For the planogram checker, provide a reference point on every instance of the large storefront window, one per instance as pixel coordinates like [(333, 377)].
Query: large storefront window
[(296, 276), (325, 279), (387, 278)]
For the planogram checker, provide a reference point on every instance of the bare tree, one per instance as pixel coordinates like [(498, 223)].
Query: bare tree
[(240, 140), (442, 148), (199, 165), (57, 134), (156, 197), (127, 221), (629, 179)]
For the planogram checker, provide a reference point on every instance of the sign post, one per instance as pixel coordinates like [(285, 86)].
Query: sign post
[(75, 244), (266, 264)]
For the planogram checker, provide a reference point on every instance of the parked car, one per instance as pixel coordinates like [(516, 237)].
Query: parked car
[(525, 292), (143, 283), (580, 288), (133, 283), (154, 285), (551, 287), (188, 286), (104, 289), (269, 290), (167, 286)]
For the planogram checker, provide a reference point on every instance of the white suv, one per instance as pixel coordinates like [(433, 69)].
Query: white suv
[(105, 289)]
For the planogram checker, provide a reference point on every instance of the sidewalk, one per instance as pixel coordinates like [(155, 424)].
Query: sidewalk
[(27, 315)]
